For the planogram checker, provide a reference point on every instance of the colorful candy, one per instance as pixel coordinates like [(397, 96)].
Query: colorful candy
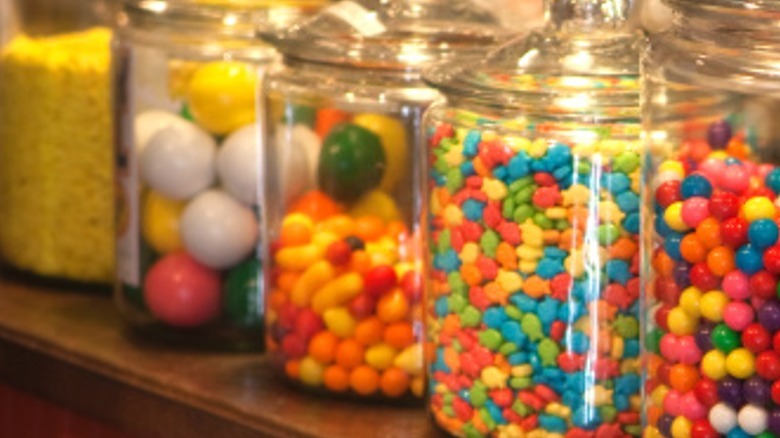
[(534, 285), (715, 278)]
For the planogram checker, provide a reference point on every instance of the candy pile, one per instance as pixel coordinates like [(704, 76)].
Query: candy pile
[(198, 203), (714, 366), (344, 313), (534, 285)]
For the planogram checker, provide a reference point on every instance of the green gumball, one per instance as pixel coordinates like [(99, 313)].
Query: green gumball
[(352, 162), (242, 297)]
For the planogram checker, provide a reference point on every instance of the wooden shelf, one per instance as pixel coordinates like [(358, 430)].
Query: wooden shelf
[(71, 348)]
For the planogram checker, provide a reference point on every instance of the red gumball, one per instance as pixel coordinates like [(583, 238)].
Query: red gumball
[(702, 429), (339, 253), (772, 259), (668, 193), (763, 285), (661, 316), (293, 346), (776, 392), (380, 280), (706, 391), (768, 365), (756, 338), (667, 290), (724, 205), (733, 232), (703, 278), (412, 286), (181, 292), (776, 342)]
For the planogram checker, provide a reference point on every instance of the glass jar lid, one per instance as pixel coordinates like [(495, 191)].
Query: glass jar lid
[(389, 34), (585, 58)]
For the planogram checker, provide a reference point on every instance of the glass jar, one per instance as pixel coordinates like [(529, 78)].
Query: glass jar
[(55, 139), (187, 76), (533, 219), (342, 209), (713, 260)]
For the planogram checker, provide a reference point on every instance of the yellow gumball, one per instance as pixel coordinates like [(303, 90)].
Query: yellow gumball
[(393, 136), (221, 95), (160, 223), (713, 365), (376, 203), (680, 323), (681, 427)]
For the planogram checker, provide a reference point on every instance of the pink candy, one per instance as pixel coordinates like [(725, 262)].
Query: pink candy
[(673, 403), (670, 347), (689, 353), (738, 315), (692, 408), (736, 284), (695, 210)]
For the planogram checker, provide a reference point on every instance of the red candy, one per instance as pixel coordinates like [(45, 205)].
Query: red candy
[(703, 278), (733, 232), (756, 338), (379, 280), (776, 392), (546, 197), (763, 285), (702, 429), (668, 193), (338, 253), (706, 391), (768, 365), (724, 205), (772, 259)]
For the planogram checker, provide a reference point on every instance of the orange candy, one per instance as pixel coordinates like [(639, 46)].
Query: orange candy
[(399, 335), (322, 347), (708, 232), (369, 331), (683, 377), (369, 228), (471, 274), (286, 280), (293, 368), (506, 256), (295, 234), (624, 248), (692, 250), (394, 382), (342, 225), (349, 354), (721, 260), (663, 264), (364, 380), (536, 287), (392, 307), (336, 378), (327, 118), (317, 205)]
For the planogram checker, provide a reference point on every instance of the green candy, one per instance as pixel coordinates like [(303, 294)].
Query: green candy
[(608, 413), (524, 195), (456, 345), (608, 234), (543, 221), (627, 162), (444, 241), (513, 312), (478, 395), (508, 348), (470, 317), (521, 382), (448, 411), (521, 408), (490, 339), (457, 303), (636, 430), (457, 284), (562, 225), (489, 242), (471, 432), (724, 338), (487, 419), (626, 326), (548, 351), (242, 300), (352, 162), (508, 208), (532, 327), (653, 340), (523, 213), (454, 180)]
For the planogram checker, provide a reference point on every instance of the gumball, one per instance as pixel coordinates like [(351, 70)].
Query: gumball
[(222, 95), (771, 259), (741, 363), (720, 260), (160, 223), (769, 315), (775, 391), (735, 179), (376, 203), (681, 427), (703, 429), (695, 185), (237, 164), (703, 336), (394, 144), (724, 205), (673, 403), (218, 230), (776, 342), (694, 211), (763, 285), (758, 207), (665, 424), (718, 136), (752, 419), (736, 285), (738, 315), (756, 338), (689, 351), (297, 149), (712, 305), (763, 233), (178, 161), (723, 418), (767, 365), (757, 391), (772, 180), (668, 193), (149, 123), (706, 391), (703, 278), (724, 338), (734, 232), (773, 423), (708, 232), (692, 409), (181, 292), (730, 391), (748, 259), (351, 163), (683, 377), (241, 298)]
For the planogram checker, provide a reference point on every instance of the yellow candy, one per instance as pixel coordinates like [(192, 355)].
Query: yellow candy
[(376, 203), (340, 322), (470, 252), (599, 395), (538, 148), (393, 137), (493, 378), (558, 410), (418, 386), (533, 235), (610, 212), (509, 281), (689, 301), (222, 94), (317, 274), (635, 402), (454, 156), (527, 252), (652, 432), (522, 370), (681, 427), (741, 363), (673, 217), (577, 194), (712, 304), (160, 224), (380, 356), (556, 213), (575, 264), (511, 431), (673, 166), (658, 395), (495, 189), (299, 258), (298, 218), (453, 216), (611, 147), (681, 323), (618, 347), (527, 267), (518, 144), (410, 360), (337, 292), (324, 239), (631, 366), (713, 364), (311, 371), (758, 207)]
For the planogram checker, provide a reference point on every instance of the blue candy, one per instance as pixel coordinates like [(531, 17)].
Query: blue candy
[(586, 417), (628, 202), (472, 209), (695, 185), (448, 261), (501, 172), (512, 332), (518, 358), (619, 271), (552, 423), (442, 307), (549, 268), (467, 169), (519, 166), (748, 259), (616, 183), (773, 180), (672, 246), (524, 302), (579, 343), (628, 384), (552, 252), (621, 401), (632, 222), (631, 349), (547, 311), (495, 412), (763, 233), (440, 364), (471, 144), (737, 432), (494, 317)]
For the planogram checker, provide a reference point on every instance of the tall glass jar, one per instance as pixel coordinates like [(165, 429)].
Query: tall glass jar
[(55, 139), (533, 219), (187, 76), (713, 259), (342, 208)]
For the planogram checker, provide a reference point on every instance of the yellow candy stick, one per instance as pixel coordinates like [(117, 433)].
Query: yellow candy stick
[(318, 274), (337, 292), (299, 258)]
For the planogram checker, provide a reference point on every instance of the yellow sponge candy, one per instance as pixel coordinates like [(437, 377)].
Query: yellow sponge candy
[(56, 168)]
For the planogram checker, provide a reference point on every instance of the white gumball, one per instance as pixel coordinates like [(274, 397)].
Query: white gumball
[(237, 164), (298, 151), (178, 161), (723, 418), (151, 122), (218, 230), (753, 419)]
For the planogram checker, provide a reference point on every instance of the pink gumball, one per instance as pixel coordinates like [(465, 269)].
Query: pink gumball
[(712, 168), (692, 408), (688, 352), (695, 210), (181, 292), (736, 284), (735, 178), (669, 347), (738, 315), (673, 403)]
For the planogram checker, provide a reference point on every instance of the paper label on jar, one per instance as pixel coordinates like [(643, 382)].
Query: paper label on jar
[(360, 18)]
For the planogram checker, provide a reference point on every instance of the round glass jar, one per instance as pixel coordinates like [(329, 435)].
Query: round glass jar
[(533, 216), (186, 108), (342, 209), (55, 139), (712, 89)]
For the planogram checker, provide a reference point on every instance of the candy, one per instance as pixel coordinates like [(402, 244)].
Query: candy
[(241, 297), (221, 95), (217, 230), (237, 164), (149, 123), (178, 161), (160, 223), (394, 144), (351, 163)]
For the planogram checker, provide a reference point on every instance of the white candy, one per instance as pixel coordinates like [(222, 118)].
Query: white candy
[(753, 419), (722, 418), (151, 122), (218, 230), (298, 151), (178, 161), (237, 164)]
